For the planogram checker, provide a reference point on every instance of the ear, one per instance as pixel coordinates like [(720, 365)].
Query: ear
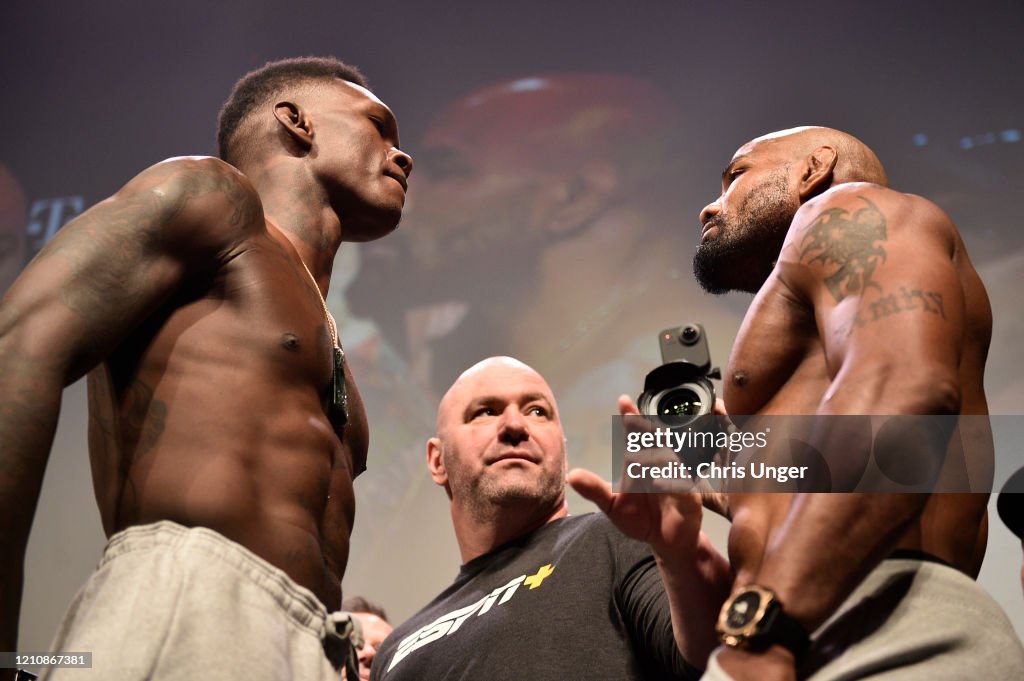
[(435, 462), (296, 124), (818, 172), (568, 202)]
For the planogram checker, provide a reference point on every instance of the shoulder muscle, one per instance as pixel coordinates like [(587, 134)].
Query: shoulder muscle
[(194, 207)]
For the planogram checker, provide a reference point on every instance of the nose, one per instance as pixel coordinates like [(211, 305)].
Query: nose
[(402, 160), (513, 429), (710, 210), (366, 654)]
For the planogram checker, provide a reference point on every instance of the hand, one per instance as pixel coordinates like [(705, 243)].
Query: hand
[(668, 521)]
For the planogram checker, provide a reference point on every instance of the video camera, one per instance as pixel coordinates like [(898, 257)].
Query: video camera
[(680, 390)]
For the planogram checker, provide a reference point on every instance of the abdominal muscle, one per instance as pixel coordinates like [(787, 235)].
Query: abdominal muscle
[(258, 464)]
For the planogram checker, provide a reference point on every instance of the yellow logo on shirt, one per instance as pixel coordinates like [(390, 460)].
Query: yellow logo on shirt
[(533, 581)]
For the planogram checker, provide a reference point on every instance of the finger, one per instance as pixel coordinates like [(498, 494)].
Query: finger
[(591, 487), (720, 407), (631, 413)]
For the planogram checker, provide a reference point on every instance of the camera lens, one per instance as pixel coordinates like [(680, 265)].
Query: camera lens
[(680, 405), (689, 335)]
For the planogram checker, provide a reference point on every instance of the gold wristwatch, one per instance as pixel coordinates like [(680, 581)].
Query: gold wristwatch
[(753, 619)]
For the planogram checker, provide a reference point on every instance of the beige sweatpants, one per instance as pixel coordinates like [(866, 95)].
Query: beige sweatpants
[(177, 603)]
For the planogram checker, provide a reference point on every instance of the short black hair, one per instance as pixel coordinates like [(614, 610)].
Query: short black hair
[(257, 87), (360, 604)]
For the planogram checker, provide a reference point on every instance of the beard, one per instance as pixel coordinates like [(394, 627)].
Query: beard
[(486, 495), (743, 252)]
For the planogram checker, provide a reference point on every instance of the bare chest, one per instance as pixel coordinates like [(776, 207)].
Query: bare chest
[(253, 337), (777, 364)]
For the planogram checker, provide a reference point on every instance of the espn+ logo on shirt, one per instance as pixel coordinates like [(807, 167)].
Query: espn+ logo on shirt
[(448, 624)]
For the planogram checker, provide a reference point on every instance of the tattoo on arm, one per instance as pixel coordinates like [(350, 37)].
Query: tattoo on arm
[(838, 238), (103, 237), (112, 244), (854, 244), (888, 304)]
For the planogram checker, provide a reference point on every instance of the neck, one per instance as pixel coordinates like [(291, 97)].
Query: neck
[(478, 533), (298, 207)]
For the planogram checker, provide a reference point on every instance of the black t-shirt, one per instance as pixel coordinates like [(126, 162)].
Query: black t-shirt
[(573, 600)]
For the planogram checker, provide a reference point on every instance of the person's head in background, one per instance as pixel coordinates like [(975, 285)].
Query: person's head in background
[(376, 628)]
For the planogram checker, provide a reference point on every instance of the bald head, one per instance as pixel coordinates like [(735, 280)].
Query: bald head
[(763, 187), (500, 449), (482, 378), (854, 161)]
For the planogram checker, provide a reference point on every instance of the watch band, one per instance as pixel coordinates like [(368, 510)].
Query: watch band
[(782, 629)]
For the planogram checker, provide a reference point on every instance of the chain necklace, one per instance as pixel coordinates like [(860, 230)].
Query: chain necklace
[(338, 412)]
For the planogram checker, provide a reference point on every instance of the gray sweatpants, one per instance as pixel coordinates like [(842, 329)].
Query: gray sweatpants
[(912, 621), (170, 602)]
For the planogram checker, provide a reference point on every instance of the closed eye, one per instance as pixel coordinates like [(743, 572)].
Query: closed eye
[(733, 174)]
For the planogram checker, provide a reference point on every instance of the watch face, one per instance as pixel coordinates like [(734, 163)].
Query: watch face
[(743, 610)]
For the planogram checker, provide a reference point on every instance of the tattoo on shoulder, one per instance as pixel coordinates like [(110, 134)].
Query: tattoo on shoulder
[(110, 246), (245, 207), (853, 242), (849, 241), (104, 253)]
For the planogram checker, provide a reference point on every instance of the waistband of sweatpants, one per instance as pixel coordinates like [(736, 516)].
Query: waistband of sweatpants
[(297, 601), (913, 554)]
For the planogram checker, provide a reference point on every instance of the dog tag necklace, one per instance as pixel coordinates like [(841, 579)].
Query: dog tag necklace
[(338, 410)]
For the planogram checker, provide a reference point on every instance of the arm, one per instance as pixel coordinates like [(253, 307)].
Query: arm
[(877, 268), (84, 293), (696, 577)]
